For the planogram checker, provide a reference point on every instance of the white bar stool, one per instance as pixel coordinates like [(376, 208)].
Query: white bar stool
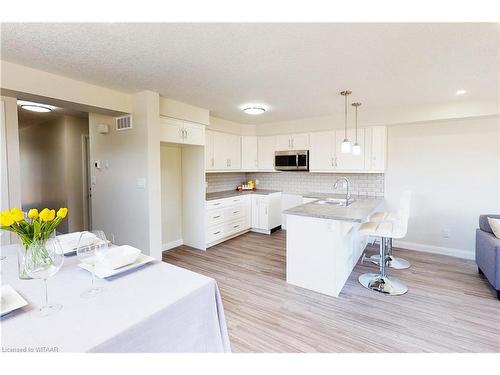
[(386, 230), (379, 217)]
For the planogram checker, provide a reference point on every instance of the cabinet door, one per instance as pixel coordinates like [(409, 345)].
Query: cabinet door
[(378, 148), (322, 151), (350, 162), (249, 153), (260, 212), (221, 154), (209, 150), (266, 148), (171, 130), (233, 147), (194, 134), (300, 141), (283, 142)]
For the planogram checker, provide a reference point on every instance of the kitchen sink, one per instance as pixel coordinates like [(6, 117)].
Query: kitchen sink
[(334, 202)]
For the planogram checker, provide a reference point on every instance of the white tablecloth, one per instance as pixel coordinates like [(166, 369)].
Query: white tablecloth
[(157, 308)]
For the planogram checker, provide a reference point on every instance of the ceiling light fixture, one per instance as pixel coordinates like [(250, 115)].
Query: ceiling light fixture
[(254, 109), (356, 149), (345, 148), (34, 107), (461, 92)]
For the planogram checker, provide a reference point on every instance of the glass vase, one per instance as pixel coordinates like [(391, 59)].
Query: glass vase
[(35, 253)]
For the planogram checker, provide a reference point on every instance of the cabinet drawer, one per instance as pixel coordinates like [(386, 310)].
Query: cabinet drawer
[(237, 200), (216, 203), (215, 233), (235, 226), (215, 217), (235, 212)]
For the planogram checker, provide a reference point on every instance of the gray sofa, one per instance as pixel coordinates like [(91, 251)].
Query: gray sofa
[(488, 252)]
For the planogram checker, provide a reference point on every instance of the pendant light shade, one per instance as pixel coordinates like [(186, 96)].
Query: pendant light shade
[(356, 149), (346, 146)]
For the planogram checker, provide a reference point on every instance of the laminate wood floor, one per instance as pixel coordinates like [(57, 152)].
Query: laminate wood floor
[(448, 308)]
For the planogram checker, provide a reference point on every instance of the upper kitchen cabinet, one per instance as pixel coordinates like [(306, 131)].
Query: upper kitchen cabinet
[(322, 156), (174, 130), (376, 148), (350, 162), (223, 152), (265, 148), (292, 142), (249, 153)]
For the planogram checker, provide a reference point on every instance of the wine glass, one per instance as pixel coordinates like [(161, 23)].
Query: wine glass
[(43, 260), (91, 246)]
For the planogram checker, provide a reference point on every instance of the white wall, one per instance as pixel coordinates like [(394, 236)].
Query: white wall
[(128, 212), (452, 167), (232, 127), (171, 195)]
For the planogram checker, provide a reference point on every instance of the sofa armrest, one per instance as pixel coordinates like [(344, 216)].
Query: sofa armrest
[(488, 256)]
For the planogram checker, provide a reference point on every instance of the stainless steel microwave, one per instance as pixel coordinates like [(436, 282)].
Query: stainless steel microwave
[(291, 160)]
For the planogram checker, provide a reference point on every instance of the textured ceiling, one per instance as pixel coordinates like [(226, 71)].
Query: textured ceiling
[(296, 69)]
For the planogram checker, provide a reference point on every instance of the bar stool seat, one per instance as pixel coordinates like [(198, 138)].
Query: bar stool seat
[(392, 262)]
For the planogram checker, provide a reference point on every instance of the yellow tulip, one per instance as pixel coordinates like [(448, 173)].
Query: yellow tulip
[(52, 215), (6, 219), (62, 212), (17, 214), (44, 214), (33, 214)]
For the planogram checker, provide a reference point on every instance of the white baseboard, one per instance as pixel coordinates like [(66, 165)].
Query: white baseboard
[(457, 253), (172, 244)]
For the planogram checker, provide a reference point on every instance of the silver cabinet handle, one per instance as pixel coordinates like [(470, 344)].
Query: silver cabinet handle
[(185, 133), (292, 142), (216, 232), (236, 226), (216, 204), (235, 212), (213, 162), (215, 217)]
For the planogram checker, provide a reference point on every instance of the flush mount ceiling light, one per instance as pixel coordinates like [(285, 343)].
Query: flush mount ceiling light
[(356, 149), (461, 92), (345, 148), (34, 107), (254, 109)]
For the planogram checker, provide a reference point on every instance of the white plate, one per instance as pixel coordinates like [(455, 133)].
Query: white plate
[(103, 273), (10, 300)]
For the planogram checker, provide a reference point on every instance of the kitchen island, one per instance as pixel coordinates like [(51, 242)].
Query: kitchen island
[(323, 244)]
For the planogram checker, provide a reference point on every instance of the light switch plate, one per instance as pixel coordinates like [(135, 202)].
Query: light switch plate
[(141, 183)]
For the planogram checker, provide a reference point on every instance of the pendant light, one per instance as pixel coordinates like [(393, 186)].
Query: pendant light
[(346, 144), (356, 149)]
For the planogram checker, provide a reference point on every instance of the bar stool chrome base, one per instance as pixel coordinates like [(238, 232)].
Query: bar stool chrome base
[(383, 284), (392, 262)]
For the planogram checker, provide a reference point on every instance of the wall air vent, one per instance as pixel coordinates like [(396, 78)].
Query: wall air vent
[(124, 122)]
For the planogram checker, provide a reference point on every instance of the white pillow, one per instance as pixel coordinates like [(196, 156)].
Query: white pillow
[(495, 226)]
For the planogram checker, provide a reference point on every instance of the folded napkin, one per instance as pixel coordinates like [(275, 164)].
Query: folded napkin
[(116, 257)]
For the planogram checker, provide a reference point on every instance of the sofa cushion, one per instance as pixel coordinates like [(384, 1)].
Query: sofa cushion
[(495, 226), (483, 222)]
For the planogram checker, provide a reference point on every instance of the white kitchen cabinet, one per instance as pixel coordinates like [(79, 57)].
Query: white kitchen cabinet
[(209, 151), (249, 153), (226, 218), (265, 152), (350, 162), (292, 142), (174, 130), (322, 155), (376, 148), (266, 212), (224, 152)]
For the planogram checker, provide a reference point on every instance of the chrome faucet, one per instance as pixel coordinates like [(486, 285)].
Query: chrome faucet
[(348, 184)]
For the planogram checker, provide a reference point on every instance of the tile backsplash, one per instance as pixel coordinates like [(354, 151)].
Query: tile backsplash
[(370, 184)]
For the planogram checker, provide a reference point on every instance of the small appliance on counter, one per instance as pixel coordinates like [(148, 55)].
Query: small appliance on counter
[(247, 186)]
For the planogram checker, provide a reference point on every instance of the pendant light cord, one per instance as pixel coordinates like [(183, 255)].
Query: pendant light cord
[(356, 124), (345, 118)]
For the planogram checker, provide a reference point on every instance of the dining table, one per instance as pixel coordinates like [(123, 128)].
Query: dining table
[(158, 307)]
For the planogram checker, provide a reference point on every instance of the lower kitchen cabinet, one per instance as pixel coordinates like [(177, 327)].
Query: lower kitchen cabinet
[(229, 217)]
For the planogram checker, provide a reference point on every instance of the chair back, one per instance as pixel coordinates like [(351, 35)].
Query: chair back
[(403, 214)]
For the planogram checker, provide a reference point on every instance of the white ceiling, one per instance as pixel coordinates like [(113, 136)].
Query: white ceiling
[(296, 69)]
